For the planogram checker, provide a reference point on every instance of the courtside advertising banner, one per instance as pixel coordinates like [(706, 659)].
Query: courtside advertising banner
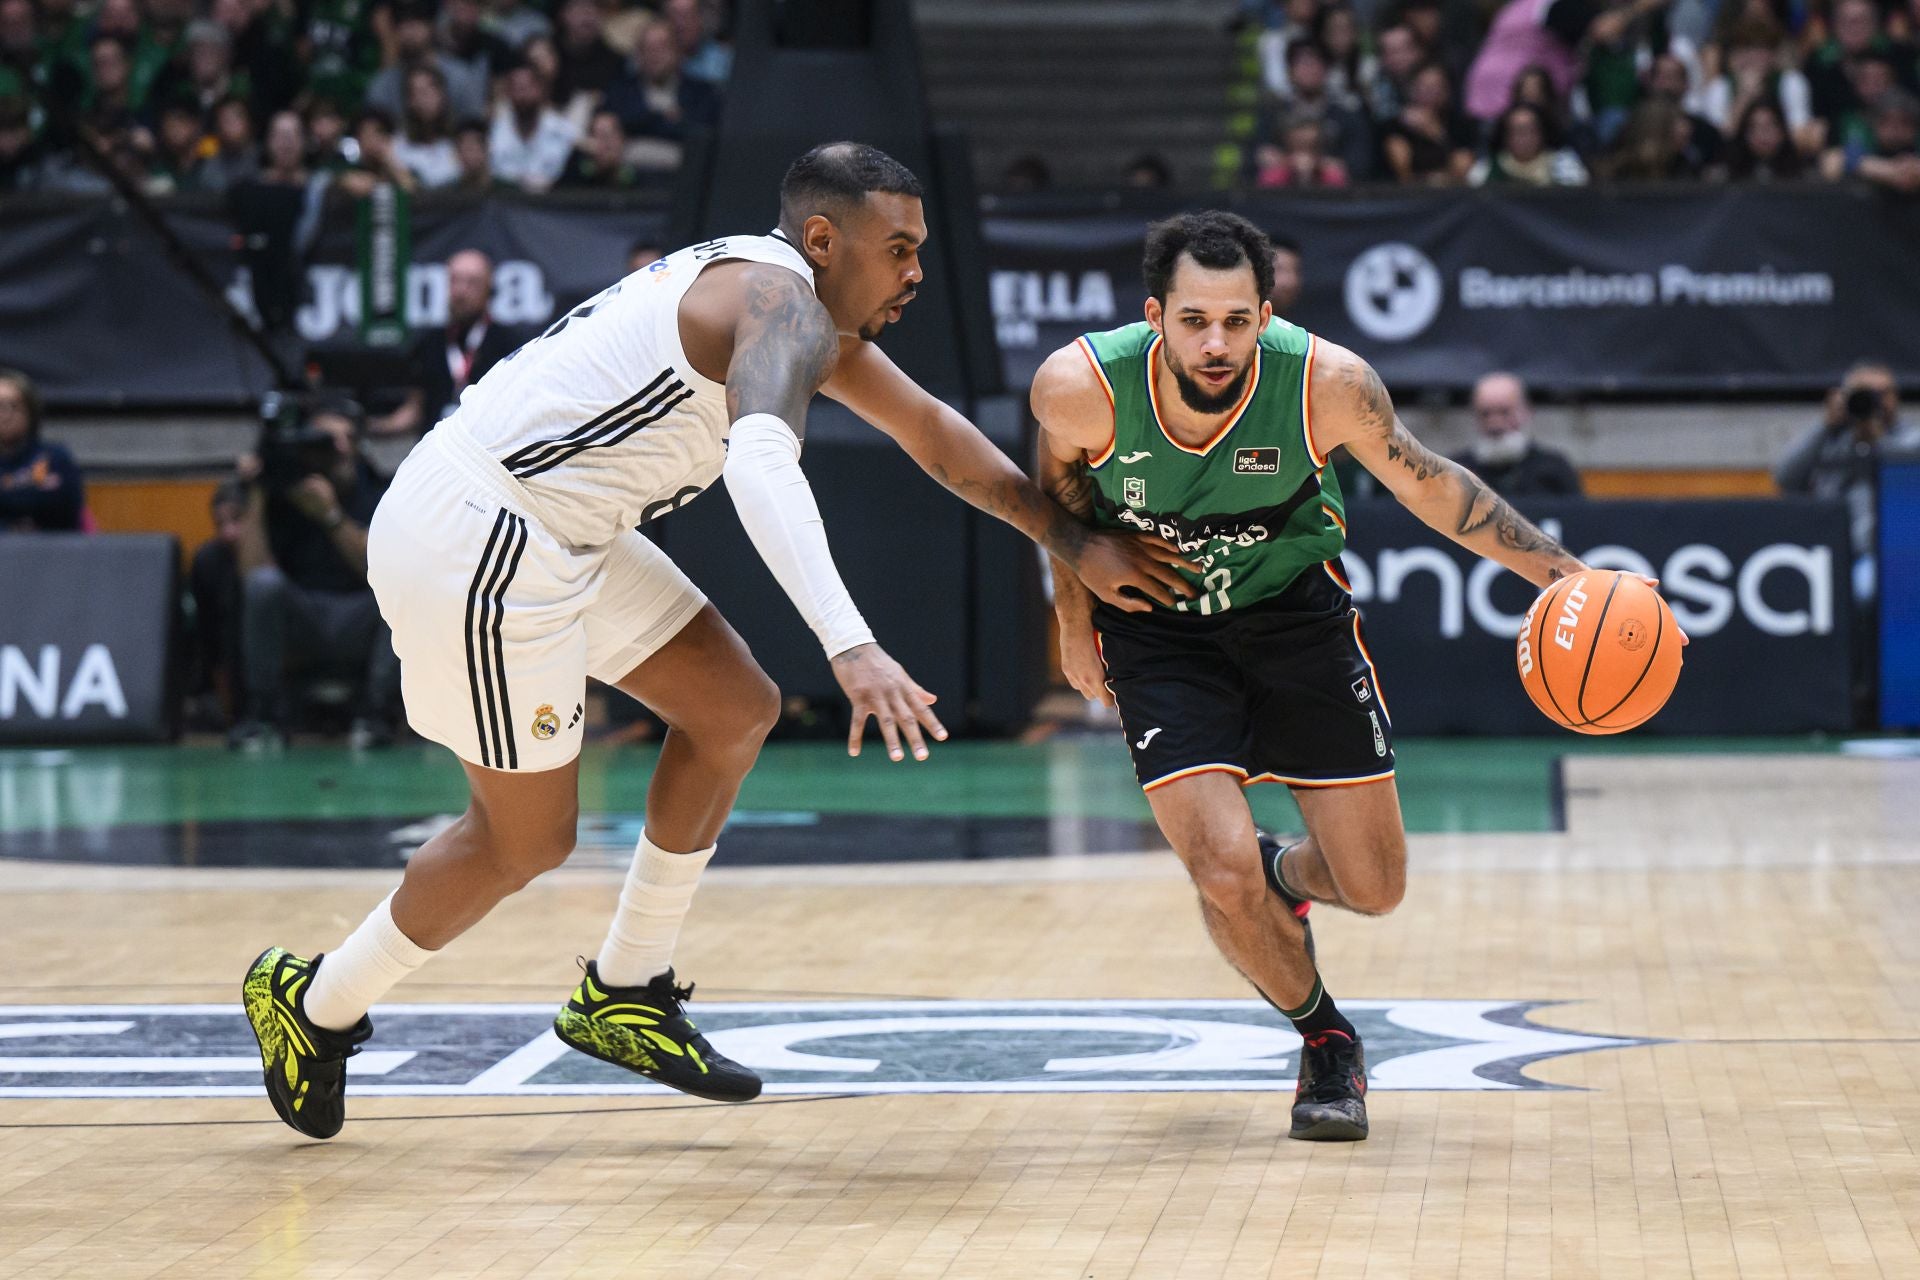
[(1762, 589), (86, 637)]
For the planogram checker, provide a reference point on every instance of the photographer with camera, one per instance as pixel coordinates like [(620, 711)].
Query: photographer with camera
[(306, 602), (1840, 459)]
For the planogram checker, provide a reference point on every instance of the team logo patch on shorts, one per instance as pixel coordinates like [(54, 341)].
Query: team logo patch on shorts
[(545, 722), (1360, 690), (1256, 462)]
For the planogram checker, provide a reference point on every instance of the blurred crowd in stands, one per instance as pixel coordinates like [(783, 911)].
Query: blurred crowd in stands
[(225, 95), (1551, 93), (1560, 92)]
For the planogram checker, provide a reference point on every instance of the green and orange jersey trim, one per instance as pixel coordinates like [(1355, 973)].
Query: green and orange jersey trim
[(1113, 434)]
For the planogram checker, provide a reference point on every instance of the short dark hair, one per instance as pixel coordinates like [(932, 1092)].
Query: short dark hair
[(836, 176), (1213, 238)]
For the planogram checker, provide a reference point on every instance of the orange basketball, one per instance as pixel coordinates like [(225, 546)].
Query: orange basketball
[(1599, 652)]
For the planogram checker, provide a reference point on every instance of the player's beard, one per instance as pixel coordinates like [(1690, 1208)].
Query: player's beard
[(1198, 398)]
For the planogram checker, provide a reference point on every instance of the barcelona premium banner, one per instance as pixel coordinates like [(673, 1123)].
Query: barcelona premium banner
[(1682, 290)]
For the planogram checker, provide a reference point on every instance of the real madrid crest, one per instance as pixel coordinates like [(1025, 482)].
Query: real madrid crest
[(545, 722)]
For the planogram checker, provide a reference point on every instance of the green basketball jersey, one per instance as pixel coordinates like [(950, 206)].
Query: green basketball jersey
[(1256, 505)]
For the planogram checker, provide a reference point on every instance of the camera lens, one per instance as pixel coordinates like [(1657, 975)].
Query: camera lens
[(1862, 403)]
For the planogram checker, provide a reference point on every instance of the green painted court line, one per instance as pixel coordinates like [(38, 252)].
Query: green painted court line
[(1446, 784)]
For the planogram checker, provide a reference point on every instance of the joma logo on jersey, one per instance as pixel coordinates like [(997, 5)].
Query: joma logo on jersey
[(1256, 462), (1134, 490)]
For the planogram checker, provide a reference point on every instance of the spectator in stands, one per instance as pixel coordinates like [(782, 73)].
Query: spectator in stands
[(1653, 146), (476, 163), (1840, 460), (1351, 70), (1524, 34), (1668, 78), (374, 159), (655, 100), (326, 132), (1523, 151), (514, 22), (702, 55), (214, 685), (345, 51), (1147, 172), (1449, 33), (1535, 89), (109, 103), (643, 253), (1300, 158), (1850, 129), (1834, 70), (19, 45), (304, 586), (530, 141), (462, 36), (425, 145), (465, 91), (1756, 67), (1761, 149), (588, 64), (40, 485), (1291, 21), (1429, 143), (237, 155), (600, 163), (1400, 56), (278, 216), (1618, 52), (180, 152), (21, 150), (447, 361), (1504, 454), (1345, 131), (1891, 159), (1286, 275), (210, 75), (1026, 174)]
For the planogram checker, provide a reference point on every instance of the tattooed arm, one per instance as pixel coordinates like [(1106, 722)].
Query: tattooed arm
[(1351, 407), (784, 346), (954, 452)]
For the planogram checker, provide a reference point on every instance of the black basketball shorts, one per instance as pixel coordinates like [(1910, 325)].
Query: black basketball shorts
[(1282, 690)]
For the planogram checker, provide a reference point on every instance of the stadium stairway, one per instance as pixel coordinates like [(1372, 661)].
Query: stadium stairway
[(1088, 85)]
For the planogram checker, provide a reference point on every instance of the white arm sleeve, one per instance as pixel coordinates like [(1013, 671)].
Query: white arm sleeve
[(778, 512)]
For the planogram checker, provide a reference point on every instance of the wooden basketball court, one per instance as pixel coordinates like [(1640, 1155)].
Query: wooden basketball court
[(1680, 1037)]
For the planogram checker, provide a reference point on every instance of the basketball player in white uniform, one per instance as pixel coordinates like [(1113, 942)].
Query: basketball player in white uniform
[(506, 559)]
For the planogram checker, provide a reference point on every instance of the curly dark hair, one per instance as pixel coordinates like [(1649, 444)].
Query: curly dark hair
[(1213, 238)]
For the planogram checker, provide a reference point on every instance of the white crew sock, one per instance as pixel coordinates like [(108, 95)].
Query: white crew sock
[(654, 901), (362, 969)]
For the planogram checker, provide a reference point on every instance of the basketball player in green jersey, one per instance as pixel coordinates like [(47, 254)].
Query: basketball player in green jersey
[(1210, 424)]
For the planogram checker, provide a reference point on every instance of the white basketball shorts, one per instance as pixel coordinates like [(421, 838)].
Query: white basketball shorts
[(496, 623)]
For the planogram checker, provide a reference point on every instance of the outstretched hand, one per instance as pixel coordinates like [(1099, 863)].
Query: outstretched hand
[(1109, 562), (878, 687)]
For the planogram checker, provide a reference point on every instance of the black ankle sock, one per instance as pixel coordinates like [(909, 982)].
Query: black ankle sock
[(1318, 1015)]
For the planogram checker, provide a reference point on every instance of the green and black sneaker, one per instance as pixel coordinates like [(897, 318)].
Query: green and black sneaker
[(646, 1030), (306, 1066)]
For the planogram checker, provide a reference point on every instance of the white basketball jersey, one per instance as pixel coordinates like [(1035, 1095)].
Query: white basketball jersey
[(602, 419)]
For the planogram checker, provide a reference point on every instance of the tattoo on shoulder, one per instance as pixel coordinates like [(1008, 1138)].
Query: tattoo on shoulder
[(784, 348)]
